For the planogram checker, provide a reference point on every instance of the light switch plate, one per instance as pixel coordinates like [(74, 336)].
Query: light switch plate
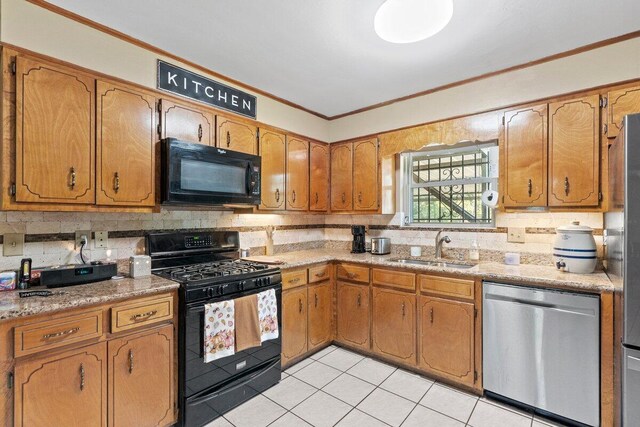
[(515, 235), (101, 239), (79, 234), (13, 244)]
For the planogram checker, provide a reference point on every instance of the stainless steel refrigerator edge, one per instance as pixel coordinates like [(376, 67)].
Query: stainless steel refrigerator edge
[(622, 231)]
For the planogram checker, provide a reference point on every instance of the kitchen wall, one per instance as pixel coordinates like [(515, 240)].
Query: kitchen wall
[(31, 27)]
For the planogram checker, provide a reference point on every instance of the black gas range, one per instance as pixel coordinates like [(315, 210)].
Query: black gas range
[(208, 267)]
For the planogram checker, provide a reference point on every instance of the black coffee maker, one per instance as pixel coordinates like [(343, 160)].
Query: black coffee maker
[(358, 246)]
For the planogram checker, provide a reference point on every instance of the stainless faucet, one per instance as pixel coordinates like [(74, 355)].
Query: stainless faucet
[(439, 241)]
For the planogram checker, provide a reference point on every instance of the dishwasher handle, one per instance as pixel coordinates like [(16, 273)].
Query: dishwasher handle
[(540, 304)]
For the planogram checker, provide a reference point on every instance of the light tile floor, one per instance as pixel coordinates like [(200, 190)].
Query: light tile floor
[(336, 387)]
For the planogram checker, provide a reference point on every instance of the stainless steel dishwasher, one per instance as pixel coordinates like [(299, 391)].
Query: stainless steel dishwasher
[(541, 348)]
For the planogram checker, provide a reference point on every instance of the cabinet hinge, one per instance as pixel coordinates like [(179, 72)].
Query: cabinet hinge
[(12, 190), (475, 313), (600, 196), (258, 135), (603, 102), (10, 380), (605, 128), (159, 106), (475, 376), (159, 129), (13, 68), (502, 120)]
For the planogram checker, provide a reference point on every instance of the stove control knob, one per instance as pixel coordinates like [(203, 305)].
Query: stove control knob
[(241, 285)]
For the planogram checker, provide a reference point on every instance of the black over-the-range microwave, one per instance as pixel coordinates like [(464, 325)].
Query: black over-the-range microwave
[(196, 174)]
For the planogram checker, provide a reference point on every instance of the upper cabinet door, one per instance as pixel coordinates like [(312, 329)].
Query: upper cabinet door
[(297, 174), (620, 103), (55, 134), (125, 146), (319, 177), (187, 123), (525, 157), (236, 134), (365, 175), (341, 177), (574, 152), (273, 153)]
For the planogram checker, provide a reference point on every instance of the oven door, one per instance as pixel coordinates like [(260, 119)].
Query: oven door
[(200, 377), (202, 175)]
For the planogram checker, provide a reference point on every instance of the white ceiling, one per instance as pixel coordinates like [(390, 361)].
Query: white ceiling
[(325, 56)]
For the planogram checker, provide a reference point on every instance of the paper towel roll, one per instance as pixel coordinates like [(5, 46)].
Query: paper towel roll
[(490, 198)]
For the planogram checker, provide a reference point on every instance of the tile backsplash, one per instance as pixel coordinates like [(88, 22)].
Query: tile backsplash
[(49, 235)]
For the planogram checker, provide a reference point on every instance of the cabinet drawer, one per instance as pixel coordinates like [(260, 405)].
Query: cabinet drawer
[(447, 286), (319, 273), (141, 313), (49, 334), (354, 273), (394, 279), (294, 278)]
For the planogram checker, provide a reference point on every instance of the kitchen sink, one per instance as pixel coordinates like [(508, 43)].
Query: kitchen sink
[(432, 263)]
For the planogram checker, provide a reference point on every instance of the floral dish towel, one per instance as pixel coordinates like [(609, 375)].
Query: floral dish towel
[(219, 330), (268, 315)]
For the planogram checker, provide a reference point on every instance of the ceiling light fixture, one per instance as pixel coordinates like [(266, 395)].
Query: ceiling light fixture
[(409, 21)]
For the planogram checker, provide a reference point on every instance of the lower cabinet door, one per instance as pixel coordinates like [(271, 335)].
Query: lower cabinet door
[(294, 323), (393, 331), (446, 338), (320, 314), (66, 389), (141, 379), (353, 314)]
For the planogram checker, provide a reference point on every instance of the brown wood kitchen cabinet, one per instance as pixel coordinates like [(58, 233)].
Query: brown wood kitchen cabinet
[(320, 310), (319, 167), (297, 174), (65, 389), (525, 157), (294, 323), (126, 124), (621, 102), (273, 153), (353, 314), (140, 378), (341, 177), (574, 152), (365, 175), (186, 122), (55, 133), (236, 134), (393, 330)]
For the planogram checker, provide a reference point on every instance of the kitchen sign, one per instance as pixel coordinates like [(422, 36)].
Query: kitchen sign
[(193, 86)]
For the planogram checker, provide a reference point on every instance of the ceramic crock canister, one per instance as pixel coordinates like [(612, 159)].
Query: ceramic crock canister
[(574, 249)]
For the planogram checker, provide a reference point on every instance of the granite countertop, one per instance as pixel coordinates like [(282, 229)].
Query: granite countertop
[(537, 275), (12, 306)]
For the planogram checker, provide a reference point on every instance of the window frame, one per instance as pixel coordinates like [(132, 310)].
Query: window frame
[(407, 187)]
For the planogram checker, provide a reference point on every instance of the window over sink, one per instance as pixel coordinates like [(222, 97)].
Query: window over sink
[(443, 185)]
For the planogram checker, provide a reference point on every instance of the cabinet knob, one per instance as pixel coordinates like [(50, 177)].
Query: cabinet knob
[(360, 197), (130, 361), (566, 185), (293, 196), (431, 315), (277, 194), (530, 187), (116, 183), (228, 139), (403, 310), (359, 300), (72, 171), (344, 197), (300, 305), (199, 133), (315, 300), (317, 197), (81, 377)]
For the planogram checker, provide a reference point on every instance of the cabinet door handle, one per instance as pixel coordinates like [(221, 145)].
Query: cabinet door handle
[(130, 361), (277, 194), (360, 197), (324, 273), (300, 305), (199, 132), (359, 300), (351, 275), (315, 296), (293, 196), (530, 187), (81, 377), (228, 139), (60, 334), (317, 198), (73, 177), (344, 198), (116, 182), (143, 315), (294, 280), (403, 310), (431, 315), (566, 185)]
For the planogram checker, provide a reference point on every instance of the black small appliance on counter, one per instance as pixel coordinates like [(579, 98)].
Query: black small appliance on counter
[(358, 246), (76, 274)]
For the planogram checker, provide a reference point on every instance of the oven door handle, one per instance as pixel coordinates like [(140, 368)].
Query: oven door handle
[(250, 184)]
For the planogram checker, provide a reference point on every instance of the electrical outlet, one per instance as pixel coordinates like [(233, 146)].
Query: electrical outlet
[(515, 235), (101, 239), (79, 234), (13, 244)]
